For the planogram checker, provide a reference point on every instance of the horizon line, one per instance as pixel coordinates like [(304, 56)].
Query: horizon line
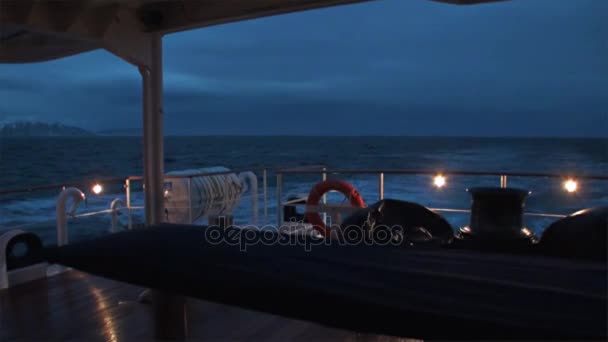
[(94, 134)]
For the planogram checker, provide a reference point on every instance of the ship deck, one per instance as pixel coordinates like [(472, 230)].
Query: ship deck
[(78, 306)]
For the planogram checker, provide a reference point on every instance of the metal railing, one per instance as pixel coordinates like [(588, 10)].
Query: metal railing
[(281, 174), (323, 172), (316, 170), (66, 211), (73, 192), (69, 191)]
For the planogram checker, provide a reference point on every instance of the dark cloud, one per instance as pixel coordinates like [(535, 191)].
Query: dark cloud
[(387, 67), (9, 84)]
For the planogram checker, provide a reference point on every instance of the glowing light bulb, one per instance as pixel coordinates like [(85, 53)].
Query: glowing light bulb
[(570, 185), (439, 181), (97, 189)]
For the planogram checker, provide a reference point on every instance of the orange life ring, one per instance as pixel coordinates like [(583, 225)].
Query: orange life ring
[(321, 189)]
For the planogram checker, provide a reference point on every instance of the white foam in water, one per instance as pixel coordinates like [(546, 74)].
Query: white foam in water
[(32, 210)]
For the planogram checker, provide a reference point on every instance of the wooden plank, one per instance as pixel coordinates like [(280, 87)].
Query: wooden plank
[(76, 305)]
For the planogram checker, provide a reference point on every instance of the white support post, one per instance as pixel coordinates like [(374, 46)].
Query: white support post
[(152, 75), (169, 310), (114, 206), (62, 216), (128, 198), (324, 199), (381, 186), (265, 180), (190, 218), (145, 51), (279, 200), (503, 181), (252, 179)]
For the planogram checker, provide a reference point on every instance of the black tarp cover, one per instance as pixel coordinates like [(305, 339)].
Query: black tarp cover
[(429, 293)]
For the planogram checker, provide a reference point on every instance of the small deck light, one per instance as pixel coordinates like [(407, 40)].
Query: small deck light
[(439, 181), (97, 189), (571, 185)]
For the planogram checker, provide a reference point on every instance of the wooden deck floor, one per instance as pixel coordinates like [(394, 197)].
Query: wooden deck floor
[(79, 306)]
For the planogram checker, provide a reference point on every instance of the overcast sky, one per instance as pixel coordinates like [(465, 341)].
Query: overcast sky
[(391, 67)]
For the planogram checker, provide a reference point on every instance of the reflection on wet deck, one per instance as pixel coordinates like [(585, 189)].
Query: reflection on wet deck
[(78, 306)]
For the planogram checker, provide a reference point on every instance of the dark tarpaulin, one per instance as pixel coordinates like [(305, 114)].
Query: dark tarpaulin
[(428, 293)]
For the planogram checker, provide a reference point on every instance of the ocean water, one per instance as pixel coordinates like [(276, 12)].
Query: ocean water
[(27, 162)]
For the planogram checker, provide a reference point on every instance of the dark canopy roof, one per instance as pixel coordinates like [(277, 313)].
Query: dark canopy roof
[(39, 30)]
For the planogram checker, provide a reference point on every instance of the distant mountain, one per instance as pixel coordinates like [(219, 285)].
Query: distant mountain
[(40, 129), (131, 132)]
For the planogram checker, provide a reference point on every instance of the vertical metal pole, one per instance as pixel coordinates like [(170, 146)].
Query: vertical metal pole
[(324, 178), (189, 199), (114, 206), (152, 75), (381, 186), (62, 221), (224, 183), (252, 179), (265, 180), (169, 310), (128, 197), (279, 200)]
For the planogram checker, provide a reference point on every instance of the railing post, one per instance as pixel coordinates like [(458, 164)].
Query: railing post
[(128, 198), (324, 178), (503, 181), (252, 178), (114, 207), (190, 200), (381, 186), (265, 180), (62, 220), (279, 201)]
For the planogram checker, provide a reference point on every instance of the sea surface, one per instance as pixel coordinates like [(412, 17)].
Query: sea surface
[(30, 162)]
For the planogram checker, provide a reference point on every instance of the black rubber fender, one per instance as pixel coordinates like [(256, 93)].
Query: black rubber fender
[(581, 235), (418, 222)]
